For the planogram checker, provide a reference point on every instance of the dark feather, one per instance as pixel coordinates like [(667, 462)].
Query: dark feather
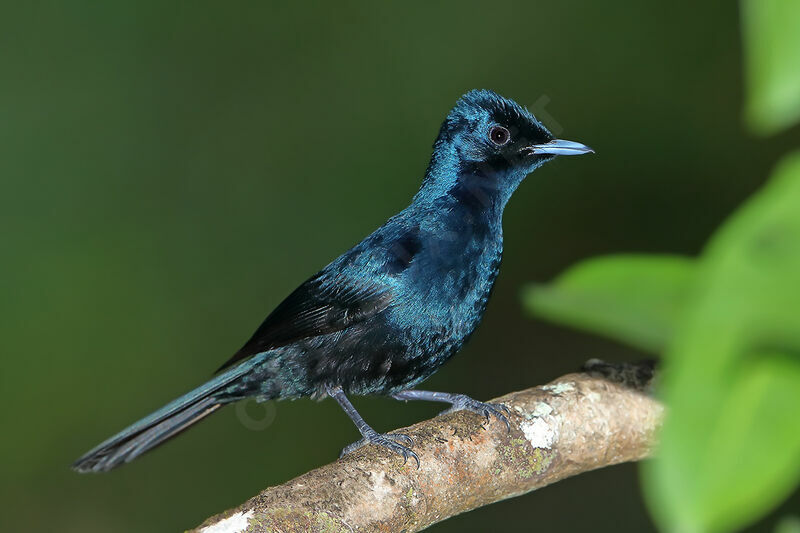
[(319, 306)]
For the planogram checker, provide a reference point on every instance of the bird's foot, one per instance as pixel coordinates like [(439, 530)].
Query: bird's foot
[(462, 402), (387, 440)]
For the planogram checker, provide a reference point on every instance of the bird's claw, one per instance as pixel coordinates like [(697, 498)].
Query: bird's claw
[(465, 403), (387, 440)]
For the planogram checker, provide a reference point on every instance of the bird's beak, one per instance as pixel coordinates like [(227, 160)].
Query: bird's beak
[(559, 147)]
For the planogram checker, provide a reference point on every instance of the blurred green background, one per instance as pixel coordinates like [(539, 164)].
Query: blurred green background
[(171, 171)]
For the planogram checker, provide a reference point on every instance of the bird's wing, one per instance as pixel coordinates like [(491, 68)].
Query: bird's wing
[(321, 305)]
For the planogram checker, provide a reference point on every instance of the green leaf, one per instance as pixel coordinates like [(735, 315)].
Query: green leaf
[(636, 299), (788, 524), (719, 470), (772, 55), (730, 447)]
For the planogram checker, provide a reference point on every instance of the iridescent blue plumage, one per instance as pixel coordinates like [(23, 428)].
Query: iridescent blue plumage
[(386, 314)]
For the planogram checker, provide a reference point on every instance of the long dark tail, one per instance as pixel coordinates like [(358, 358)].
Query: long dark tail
[(156, 428)]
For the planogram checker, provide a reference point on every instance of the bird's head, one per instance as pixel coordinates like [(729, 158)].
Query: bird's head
[(488, 141)]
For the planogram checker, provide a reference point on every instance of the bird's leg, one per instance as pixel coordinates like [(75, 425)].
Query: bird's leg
[(387, 440), (459, 402)]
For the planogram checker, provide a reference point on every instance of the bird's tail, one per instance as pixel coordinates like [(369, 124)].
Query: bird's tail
[(156, 428)]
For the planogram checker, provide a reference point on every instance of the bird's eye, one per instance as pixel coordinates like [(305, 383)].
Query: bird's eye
[(499, 135)]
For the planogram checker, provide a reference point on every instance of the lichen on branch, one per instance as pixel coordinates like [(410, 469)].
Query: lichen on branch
[(577, 423)]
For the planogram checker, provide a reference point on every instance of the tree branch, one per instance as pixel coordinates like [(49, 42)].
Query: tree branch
[(577, 423)]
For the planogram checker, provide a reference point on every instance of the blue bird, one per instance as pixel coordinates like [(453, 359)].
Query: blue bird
[(386, 314)]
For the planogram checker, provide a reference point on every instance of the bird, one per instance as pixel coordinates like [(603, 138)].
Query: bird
[(389, 312)]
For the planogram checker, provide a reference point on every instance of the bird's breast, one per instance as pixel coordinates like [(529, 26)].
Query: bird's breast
[(445, 302)]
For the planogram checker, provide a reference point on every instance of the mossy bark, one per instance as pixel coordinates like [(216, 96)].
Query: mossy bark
[(575, 424)]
